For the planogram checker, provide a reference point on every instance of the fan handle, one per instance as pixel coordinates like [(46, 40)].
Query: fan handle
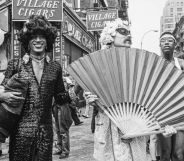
[(128, 136)]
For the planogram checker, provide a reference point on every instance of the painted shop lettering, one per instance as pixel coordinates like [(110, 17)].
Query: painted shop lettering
[(28, 12), (16, 46), (36, 4), (100, 16), (57, 44), (30, 7), (99, 24), (74, 32)]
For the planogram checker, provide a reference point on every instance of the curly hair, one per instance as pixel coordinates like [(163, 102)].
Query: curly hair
[(37, 25)]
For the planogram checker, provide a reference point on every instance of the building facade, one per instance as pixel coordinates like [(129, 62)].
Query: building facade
[(172, 12), (73, 39)]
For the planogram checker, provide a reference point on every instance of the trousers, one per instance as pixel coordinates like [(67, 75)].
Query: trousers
[(172, 148)]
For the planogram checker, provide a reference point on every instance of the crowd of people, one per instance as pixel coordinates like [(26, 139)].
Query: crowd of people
[(52, 94)]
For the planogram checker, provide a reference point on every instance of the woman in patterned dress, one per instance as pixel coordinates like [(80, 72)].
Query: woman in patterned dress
[(32, 138)]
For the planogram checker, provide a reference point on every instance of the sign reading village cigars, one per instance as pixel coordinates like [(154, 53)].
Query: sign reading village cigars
[(96, 20), (51, 9)]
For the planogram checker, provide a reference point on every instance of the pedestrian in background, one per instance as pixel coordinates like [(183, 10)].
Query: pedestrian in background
[(87, 108), (73, 90), (32, 138), (63, 122)]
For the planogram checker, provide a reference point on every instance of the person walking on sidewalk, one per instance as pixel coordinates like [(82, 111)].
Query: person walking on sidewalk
[(86, 113), (71, 88), (63, 122), (109, 143), (32, 139)]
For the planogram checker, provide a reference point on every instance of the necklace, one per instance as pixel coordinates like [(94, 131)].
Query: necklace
[(40, 62)]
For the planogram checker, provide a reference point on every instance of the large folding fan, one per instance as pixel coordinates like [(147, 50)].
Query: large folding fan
[(139, 91)]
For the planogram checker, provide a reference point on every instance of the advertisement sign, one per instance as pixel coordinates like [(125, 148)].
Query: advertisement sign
[(77, 34), (96, 20), (16, 44), (57, 50), (51, 9)]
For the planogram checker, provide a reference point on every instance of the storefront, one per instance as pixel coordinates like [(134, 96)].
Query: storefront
[(77, 41), (73, 39)]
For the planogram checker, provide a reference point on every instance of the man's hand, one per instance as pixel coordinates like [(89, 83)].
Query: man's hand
[(11, 97), (169, 131), (90, 98)]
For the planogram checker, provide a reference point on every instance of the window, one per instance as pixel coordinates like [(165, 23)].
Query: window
[(171, 9), (169, 26), (179, 9), (168, 20)]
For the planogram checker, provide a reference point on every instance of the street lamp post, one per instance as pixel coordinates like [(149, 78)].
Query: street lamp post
[(145, 34)]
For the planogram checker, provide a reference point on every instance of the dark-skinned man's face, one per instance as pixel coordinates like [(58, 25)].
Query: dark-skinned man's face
[(167, 44)]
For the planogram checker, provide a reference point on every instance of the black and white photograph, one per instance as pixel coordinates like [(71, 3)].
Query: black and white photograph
[(91, 80)]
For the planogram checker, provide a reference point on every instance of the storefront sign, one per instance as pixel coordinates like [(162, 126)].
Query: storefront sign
[(16, 43), (58, 46), (51, 9), (96, 20), (77, 34)]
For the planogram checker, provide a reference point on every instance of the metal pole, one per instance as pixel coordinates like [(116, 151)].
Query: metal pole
[(145, 34)]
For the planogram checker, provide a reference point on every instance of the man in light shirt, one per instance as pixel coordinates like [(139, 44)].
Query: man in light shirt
[(171, 148)]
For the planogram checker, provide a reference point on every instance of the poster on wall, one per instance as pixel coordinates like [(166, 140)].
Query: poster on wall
[(52, 9)]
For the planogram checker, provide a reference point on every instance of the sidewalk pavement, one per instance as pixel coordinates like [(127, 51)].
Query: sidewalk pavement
[(81, 142)]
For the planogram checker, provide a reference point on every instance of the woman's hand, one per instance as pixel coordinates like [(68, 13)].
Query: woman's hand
[(169, 131), (11, 97), (90, 98)]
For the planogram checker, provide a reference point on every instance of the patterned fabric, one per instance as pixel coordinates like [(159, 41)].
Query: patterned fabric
[(108, 145), (34, 133)]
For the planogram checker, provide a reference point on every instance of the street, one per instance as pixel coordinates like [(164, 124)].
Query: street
[(81, 142)]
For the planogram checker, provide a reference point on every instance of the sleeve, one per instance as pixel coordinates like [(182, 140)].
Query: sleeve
[(77, 89), (61, 96), (10, 71)]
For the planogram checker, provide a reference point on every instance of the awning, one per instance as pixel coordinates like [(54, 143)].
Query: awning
[(2, 36), (4, 20)]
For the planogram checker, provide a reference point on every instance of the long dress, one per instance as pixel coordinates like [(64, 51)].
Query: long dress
[(108, 145), (33, 136)]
